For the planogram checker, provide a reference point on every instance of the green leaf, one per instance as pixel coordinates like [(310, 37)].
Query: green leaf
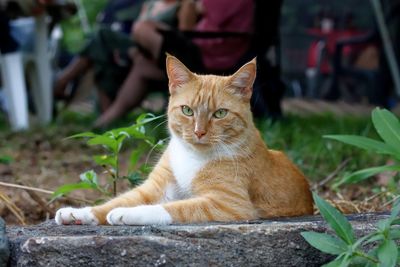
[(135, 178), (89, 177), (147, 117), (387, 253), (5, 159), (326, 243), (105, 160), (374, 238), (106, 141), (342, 261), (373, 254), (68, 188), (335, 219), (84, 134), (394, 234), (395, 209), (388, 127), (398, 255), (364, 143), (361, 175), (136, 155), (383, 225)]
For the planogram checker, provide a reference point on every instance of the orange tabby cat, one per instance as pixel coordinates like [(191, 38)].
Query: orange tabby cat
[(216, 166)]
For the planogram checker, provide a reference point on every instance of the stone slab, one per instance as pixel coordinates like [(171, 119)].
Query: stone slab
[(4, 247), (250, 243)]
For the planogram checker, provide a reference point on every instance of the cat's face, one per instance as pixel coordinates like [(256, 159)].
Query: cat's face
[(207, 111)]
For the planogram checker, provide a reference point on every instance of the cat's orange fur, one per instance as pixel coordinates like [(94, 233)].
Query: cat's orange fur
[(241, 180)]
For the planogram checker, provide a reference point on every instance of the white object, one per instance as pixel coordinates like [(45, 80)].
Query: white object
[(14, 89), (140, 215), (76, 216), (39, 75)]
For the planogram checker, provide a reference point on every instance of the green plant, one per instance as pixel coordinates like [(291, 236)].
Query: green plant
[(112, 143), (384, 251), (5, 159), (388, 128)]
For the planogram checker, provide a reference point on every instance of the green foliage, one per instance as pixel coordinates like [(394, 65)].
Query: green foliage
[(351, 251), (300, 138), (5, 159), (112, 143), (388, 128)]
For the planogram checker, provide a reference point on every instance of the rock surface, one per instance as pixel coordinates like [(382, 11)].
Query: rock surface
[(254, 243), (4, 248)]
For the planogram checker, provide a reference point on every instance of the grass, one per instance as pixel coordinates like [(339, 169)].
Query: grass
[(302, 140)]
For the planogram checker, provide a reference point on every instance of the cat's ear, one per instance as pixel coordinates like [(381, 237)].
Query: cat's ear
[(178, 73), (242, 80)]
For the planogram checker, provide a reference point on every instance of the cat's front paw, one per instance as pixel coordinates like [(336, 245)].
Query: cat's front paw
[(140, 215), (76, 216)]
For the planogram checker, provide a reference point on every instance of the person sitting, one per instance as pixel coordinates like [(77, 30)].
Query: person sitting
[(107, 53), (155, 39)]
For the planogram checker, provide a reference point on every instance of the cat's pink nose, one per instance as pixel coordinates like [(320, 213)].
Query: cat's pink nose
[(200, 133)]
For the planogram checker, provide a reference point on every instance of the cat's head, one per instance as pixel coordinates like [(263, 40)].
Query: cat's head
[(209, 111)]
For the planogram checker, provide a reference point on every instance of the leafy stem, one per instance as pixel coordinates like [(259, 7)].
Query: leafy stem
[(112, 142), (365, 256)]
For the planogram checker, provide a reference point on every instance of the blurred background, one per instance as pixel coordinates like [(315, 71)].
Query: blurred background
[(323, 66)]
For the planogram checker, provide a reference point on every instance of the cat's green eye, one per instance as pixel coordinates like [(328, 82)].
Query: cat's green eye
[(220, 113), (187, 111)]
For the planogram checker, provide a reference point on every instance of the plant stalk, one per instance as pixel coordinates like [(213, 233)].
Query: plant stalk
[(363, 255)]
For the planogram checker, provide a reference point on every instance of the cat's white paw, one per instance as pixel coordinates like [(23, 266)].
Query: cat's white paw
[(140, 215), (76, 216)]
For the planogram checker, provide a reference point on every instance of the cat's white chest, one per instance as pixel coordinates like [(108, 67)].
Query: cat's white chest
[(184, 164)]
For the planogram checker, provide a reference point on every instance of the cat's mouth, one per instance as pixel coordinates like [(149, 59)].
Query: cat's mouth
[(200, 143)]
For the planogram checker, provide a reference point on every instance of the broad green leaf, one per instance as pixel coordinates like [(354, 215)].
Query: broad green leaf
[(388, 127), (326, 243), (106, 141), (335, 219), (398, 255), (361, 175), (105, 160), (133, 131), (383, 225), (84, 134), (394, 234), (387, 253), (68, 188), (136, 155), (374, 238), (395, 210), (342, 261), (124, 133), (364, 143), (373, 254)]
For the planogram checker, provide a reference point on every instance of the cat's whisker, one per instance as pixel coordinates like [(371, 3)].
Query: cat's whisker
[(153, 148), (158, 125)]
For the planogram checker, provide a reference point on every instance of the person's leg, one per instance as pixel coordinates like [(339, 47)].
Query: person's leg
[(146, 35), (104, 100), (77, 67), (133, 89)]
